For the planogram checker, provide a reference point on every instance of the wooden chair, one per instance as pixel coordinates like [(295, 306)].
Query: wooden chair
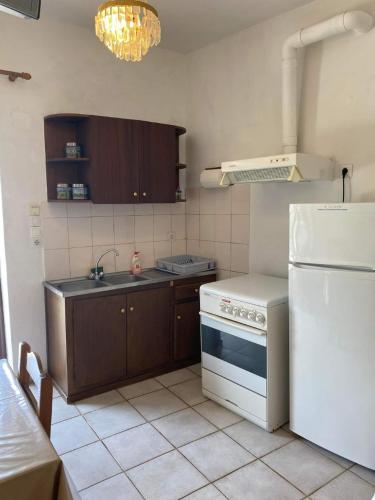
[(30, 372)]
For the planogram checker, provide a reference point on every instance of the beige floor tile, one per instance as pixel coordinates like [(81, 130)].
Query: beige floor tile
[(348, 486), (114, 419), (207, 493), (216, 455), (183, 427), (98, 402), (304, 467), (71, 434), (218, 415), (366, 474), (197, 369), (116, 488), (138, 445), (90, 465), (168, 477), (157, 404), (190, 391), (336, 458), (176, 377), (256, 440), (257, 482), (62, 411), (140, 388)]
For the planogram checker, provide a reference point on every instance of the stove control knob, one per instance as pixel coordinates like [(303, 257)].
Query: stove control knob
[(243, 313), (223, 306), (252, 315), (230, 309), (236, 310), (260, 318)]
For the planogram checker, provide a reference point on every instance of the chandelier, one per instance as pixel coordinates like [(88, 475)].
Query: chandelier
[(128, 28)]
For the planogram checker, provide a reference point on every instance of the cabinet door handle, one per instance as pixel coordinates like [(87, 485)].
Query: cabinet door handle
[(131, 308), (179, 317), (135, 194), (122, 310), (144, 194)]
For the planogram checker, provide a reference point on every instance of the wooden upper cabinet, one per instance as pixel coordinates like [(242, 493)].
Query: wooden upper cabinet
[(125, 161)]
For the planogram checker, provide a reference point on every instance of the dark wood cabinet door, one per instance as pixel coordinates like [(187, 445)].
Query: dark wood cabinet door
[(186, 331), (158, 158), (113, 173), (99, 347), (148, 330)]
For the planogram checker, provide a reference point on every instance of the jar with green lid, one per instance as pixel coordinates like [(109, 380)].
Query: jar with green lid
[(63, 191)]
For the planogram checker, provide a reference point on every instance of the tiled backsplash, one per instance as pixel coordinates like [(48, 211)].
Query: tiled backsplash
[(74, 235), (218, 226)]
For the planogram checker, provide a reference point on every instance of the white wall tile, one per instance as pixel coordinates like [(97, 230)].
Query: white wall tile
[(240, 198), (240, 229), (124, 229), (108, 261), (207, 249), (144, 228), (162, 227), (207, 227), (222, 255), (222, 228), (102, 231), (79, 209), (80, 232), (239, 258), (56, 264), (162, 208), (192, 226), (223, 201), (123, 261), (81, 261), (178, 247), (162, 249), (207, 201), (147, 254), (192, 201), (178, 208), (193, 247), (55, 233), (48, 210), (101, 210), (123, 209), (179, 226), (144, 209), (223, 274)]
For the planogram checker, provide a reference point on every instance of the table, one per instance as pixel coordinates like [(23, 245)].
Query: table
[(30, 468)]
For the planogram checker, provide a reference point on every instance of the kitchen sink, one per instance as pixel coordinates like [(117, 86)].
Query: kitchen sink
[(78, 285), (122, 279)]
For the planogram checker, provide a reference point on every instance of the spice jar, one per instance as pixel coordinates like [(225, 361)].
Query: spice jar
[(80, 192), (63, 191), (72, 150)]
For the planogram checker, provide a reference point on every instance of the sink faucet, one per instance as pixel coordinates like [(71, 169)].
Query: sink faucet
[(97, 275)]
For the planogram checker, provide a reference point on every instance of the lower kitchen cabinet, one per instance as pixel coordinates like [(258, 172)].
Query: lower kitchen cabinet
[(99, 347), (148, 330), (186, 331)]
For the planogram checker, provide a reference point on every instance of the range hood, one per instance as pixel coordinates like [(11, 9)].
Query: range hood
[(293, 166)]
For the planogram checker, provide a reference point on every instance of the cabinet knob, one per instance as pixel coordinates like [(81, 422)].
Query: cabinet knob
[(135, 194), (131, 308), (122, 311), (144, 194), (196, 290), (179, 317)]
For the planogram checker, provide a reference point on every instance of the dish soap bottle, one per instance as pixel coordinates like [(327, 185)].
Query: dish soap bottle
[(136, 263)]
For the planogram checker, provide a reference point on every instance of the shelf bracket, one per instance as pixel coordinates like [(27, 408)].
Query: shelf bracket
[(13, 75)]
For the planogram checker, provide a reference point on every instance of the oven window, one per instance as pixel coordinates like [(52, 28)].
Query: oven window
[(234, 350)]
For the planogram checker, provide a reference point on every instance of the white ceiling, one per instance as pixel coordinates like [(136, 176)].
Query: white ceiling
[(186, 24)]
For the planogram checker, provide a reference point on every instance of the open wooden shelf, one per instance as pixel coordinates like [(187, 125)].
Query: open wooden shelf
[(68, 201), (68, 160), (180, 166)]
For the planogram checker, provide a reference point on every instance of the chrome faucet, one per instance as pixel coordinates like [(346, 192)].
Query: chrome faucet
[(97, 275)]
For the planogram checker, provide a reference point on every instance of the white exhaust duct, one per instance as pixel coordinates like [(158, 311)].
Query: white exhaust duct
[(293, 166)]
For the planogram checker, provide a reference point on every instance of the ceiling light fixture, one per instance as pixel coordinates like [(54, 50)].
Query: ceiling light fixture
[(128, 28)]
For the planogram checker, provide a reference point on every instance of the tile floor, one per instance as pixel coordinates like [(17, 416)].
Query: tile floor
[(161, 439)]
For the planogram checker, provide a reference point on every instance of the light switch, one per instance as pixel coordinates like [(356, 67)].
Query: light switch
[(35, 221), (34, 210), (35, 232)]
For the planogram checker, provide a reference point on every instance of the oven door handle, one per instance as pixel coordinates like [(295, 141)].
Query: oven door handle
[(247, 329)]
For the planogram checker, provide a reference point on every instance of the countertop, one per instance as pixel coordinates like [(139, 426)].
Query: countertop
[(153, 276)]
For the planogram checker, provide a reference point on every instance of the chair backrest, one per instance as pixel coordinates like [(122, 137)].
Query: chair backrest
[(36, 383)]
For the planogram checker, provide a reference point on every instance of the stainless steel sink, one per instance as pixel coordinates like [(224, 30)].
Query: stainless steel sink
[(78, 285), (122, 279)]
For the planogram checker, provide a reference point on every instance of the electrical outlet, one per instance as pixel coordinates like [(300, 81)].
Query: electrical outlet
[(340, 167)]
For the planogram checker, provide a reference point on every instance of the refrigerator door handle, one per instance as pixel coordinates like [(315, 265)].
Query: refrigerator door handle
[(323, 267)]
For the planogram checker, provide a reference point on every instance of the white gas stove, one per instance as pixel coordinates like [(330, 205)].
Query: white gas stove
[(244, 331)]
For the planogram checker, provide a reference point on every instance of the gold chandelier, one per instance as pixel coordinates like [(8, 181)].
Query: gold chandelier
[(128, 28)]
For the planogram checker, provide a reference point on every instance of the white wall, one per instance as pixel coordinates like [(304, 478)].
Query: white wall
[(71, 72), (234, 102)]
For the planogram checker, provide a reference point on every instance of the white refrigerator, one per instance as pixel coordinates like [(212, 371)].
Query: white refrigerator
[(332, 327)]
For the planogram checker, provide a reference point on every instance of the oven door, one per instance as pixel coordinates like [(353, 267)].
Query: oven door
[(234, 351)]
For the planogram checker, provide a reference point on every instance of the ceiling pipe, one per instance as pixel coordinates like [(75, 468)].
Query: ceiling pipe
[(356, 21)]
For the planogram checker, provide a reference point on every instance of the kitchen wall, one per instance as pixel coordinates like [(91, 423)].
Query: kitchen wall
[(234, 103), (75, 235), (71, 72)]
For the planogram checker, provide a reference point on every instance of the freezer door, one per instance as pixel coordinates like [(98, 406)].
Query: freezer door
[(332, 360), (337, 235)]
